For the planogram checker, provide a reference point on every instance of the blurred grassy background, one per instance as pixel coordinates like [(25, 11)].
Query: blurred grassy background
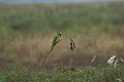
[(27, 30)]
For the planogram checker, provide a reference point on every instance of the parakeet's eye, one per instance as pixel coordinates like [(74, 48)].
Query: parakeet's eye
[(59, 34)]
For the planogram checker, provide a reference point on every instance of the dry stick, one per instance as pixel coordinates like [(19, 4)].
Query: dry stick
[(45, 59), (93, 59)]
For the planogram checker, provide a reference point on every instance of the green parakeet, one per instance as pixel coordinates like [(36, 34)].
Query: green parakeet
[(56, 40)]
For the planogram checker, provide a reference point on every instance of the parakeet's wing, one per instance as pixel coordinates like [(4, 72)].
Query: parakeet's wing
[(54, 40)]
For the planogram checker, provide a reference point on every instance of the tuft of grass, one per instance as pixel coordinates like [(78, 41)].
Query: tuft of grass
[(32, 50)]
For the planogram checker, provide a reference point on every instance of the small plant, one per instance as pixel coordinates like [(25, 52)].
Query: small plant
[(112, 74), (72, 44), (111, 60)]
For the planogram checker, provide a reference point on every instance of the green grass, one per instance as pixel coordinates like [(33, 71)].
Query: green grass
[(89, 74)]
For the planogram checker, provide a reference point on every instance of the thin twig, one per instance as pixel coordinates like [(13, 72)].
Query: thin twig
[(44, 61), (93, 59)]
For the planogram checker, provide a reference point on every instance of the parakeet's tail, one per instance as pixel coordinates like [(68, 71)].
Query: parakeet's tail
[(53, 44)]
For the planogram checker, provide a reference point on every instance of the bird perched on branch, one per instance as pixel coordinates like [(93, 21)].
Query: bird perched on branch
[(56, 39)]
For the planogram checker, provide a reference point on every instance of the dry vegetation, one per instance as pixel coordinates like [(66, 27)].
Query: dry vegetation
[(33, 50)]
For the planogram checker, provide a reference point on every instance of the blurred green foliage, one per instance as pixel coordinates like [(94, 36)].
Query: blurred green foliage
[(89, 74), (71, 18)]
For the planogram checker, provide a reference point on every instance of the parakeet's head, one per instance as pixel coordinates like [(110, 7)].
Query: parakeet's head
[(59, 34)]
